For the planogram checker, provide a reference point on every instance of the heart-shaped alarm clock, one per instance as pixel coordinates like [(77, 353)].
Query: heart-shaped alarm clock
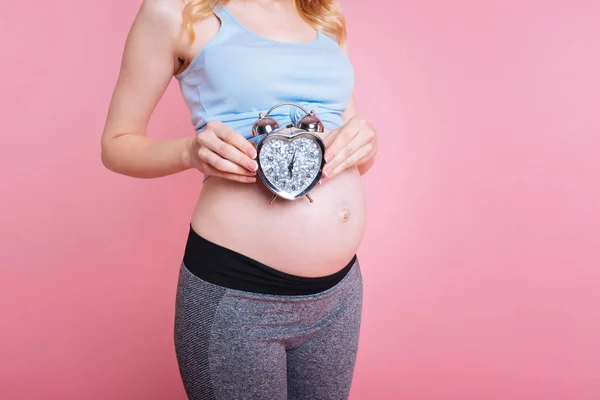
[(290, 159)]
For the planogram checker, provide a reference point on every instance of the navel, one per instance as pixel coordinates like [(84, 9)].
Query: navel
[(345, 215)]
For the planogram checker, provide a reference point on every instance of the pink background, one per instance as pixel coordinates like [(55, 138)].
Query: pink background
[(481, 260)]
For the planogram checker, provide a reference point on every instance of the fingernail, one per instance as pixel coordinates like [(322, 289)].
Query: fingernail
[(251, 180), (323, 180), (253, 165), (251, 152), (328, 157), (327, 171)]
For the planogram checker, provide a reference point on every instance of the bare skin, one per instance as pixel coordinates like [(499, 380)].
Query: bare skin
[(233, 210)]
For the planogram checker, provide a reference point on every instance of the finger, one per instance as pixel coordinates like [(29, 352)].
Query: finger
[(213, 159), (354, 145), (328, 136), (234, 138), (353, 159), (232, 177), (228, 152), (342, 137)]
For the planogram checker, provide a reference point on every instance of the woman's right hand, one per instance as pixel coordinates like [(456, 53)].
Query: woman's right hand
[(220, 151)]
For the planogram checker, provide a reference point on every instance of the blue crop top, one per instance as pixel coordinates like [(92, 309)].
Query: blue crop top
[(239, 74)]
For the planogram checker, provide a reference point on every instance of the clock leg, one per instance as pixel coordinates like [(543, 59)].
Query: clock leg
[(309, 198), (273, 199)]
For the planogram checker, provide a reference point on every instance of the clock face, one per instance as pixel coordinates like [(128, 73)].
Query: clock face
[(291, 165)]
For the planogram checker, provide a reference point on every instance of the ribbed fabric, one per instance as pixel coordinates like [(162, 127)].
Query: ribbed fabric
[(192, 334)]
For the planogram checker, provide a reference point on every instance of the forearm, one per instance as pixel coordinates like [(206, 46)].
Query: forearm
[(141, 157)]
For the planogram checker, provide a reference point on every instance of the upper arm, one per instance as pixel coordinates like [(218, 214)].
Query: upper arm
[(351, 108), (147, 67)]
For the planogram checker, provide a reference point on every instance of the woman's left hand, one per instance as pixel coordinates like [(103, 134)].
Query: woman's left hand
[(352, 144)]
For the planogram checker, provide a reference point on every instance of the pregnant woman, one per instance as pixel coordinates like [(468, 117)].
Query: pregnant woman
[(269, 297)]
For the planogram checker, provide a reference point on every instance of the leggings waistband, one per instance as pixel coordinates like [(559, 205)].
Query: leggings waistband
[(225, 267)]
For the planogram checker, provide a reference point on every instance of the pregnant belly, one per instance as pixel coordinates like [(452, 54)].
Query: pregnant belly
[(296, 237)]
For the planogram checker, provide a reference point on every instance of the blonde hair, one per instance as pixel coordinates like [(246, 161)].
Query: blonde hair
[(323, 15)]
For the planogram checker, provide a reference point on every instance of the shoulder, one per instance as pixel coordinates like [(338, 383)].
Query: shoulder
[(167, 17), (162, 8), (164, 15)]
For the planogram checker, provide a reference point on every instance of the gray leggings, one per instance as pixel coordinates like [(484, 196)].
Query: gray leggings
[(234, 344)]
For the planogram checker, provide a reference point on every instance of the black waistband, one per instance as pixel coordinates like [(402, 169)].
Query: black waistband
[(222, 266)]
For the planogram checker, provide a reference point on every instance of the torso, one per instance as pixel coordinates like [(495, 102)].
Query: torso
[(297, 237)]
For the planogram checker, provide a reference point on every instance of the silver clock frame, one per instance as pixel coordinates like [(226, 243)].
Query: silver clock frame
[(289, 137), (269, 128)]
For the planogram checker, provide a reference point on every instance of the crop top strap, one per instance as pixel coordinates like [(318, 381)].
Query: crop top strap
[(219, 11), (227, 20)]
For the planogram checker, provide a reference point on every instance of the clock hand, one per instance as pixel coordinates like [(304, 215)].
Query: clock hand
[(291, 166)]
